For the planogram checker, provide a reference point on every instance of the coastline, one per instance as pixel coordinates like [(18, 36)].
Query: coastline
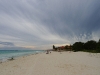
[(55, 63), (6, 55)]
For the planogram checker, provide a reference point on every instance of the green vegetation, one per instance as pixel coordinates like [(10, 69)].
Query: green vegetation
[(53, 47), (89, 46), (78, 46)]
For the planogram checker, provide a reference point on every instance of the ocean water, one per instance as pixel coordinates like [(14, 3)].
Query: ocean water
[(7, 54)]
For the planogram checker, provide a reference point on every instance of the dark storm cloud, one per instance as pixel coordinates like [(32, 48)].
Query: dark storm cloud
[(47, 22)]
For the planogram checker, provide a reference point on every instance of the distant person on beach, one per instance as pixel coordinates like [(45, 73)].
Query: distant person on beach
[(50, 52), (47, 52), (12, 58)]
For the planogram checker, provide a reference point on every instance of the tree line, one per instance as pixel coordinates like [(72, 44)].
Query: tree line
[(89, 46)]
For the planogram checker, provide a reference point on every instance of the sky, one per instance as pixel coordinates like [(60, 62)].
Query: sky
[(40, 24)]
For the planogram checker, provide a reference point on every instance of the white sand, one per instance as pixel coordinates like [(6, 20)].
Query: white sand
[(74, 63)]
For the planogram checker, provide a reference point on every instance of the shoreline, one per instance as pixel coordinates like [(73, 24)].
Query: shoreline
[(55, 63), (15, 57)]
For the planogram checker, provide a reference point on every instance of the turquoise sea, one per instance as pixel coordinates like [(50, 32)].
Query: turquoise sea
[(7, 54)]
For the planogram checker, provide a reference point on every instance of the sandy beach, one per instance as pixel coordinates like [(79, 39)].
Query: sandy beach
[(56, 63)]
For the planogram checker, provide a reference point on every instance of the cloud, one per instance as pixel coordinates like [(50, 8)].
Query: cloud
[(14, 48), (41, 23), (6, 43)]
